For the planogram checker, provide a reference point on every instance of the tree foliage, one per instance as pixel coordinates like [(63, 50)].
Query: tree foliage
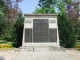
[(71, 7), (47, 3), (44, 10), (73, 10), (13, 9), (2, 25), (2, 8), (18, 31), (12, 12), (9, 11), (66, 31), (2, 17)]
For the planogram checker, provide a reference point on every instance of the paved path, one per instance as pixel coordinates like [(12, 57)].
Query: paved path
[(42, 55)]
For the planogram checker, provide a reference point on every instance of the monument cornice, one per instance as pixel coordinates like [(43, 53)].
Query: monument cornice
[(40, 14)]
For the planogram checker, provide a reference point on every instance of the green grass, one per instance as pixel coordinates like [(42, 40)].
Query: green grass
[(5, 42), (78, 43), (1, 38), (9, 43)]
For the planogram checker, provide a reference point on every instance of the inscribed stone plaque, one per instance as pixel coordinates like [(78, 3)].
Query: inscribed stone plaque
[(52, 21), (53, 35), (28, 35), (28, 21), (40, 30)]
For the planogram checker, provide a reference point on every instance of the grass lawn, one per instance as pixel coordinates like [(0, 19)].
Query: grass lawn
[(5, 42), (78, 43)]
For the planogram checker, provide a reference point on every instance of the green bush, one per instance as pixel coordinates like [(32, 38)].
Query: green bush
[(17, 32), (8, 38), (78, 37), (66, 31), (1, 38)]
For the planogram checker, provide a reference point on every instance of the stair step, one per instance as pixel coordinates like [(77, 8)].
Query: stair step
[(42, 48)]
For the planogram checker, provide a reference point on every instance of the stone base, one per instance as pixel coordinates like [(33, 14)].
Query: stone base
[(40, 44), (42, 48)]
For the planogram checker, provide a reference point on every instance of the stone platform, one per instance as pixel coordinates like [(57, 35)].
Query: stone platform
[(42, 53)]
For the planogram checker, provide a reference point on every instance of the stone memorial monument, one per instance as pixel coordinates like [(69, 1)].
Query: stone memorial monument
[(40, 30)]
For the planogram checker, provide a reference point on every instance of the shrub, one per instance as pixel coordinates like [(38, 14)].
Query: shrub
[(5, 46), (66, 31), (78, 37), (8, 38), (17, 33)]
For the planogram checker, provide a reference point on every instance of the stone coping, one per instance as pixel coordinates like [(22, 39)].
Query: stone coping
[(40, 14)]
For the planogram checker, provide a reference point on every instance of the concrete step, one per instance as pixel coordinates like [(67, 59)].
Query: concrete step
[(42, 48)]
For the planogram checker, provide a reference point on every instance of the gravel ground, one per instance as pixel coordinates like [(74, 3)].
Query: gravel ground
[(75, 54), (9, 54)]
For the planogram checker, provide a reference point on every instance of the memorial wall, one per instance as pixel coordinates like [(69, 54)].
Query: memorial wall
[(41, 29)]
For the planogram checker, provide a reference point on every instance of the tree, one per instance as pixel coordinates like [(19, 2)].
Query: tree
[(2, 17), (47, 3), (12, 13), (2, 25), (66, 31), (73, 13), (71, 7), (18, 31), (44, 10), (9, 11), (13, 9)]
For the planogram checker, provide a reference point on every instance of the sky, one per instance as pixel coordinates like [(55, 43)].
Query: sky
[(28, 6)]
